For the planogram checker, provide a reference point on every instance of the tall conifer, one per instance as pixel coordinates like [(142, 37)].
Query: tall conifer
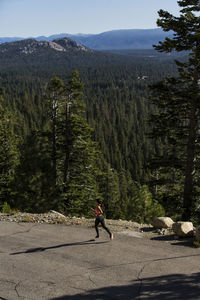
[(8, 152), (74, 154), (178, 99)]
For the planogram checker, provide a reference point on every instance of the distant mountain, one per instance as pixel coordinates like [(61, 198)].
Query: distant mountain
[(10, 39), (123, 39), (59, 55), (110, 40), (31, 46)]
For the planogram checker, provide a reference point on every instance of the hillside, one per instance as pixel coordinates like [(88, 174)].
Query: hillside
[(116, 97), (63, 54), (57, 56), (115, 90)]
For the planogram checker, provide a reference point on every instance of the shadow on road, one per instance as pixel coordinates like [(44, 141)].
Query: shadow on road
[(181, 241), (170, 287), (188, 242), (40, 249)]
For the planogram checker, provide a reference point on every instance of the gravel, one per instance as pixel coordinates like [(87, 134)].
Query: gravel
[(54, 217)]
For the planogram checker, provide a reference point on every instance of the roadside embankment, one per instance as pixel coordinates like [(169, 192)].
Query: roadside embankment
[(54, 217)]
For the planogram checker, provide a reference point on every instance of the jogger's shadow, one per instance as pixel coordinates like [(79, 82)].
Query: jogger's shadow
[(40, 249)]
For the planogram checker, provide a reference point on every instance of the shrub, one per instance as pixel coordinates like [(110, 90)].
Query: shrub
[(6, 208), (142, 208)]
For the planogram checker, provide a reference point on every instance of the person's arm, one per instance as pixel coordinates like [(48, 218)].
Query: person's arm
[(99, 207)]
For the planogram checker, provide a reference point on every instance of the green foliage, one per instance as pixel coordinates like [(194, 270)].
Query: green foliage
[(176, 122), (141, 207), (6, 208), (110, 191), (34, 189), (196, 244), (61, 167), (8, 152), (73, 153)]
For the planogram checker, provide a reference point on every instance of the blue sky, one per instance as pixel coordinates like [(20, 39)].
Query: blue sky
[(27, 18)]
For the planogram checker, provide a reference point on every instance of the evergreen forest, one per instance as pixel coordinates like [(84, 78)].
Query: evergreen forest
[(78, 127)]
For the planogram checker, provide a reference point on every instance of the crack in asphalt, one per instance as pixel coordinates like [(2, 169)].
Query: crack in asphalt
[(141, 279), (50, 283), (147, 261), (8, 281), (91, 280), (16, 286), (77, 288)]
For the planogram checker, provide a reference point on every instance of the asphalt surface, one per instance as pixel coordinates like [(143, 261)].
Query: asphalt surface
[(41, 261)]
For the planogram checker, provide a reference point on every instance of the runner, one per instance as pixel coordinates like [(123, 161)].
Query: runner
[(100, 219)]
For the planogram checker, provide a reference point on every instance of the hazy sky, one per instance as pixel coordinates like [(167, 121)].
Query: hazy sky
[(27, 18)]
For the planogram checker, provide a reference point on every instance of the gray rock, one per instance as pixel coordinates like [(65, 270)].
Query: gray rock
[(162, 222), (183, 229)]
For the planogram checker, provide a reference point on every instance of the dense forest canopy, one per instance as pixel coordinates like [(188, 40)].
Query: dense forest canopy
[(114, 88)]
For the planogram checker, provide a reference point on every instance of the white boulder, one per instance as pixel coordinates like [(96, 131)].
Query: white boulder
[(162, 222), (183, 229)]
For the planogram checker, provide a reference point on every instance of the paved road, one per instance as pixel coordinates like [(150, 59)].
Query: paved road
[(41, 261)]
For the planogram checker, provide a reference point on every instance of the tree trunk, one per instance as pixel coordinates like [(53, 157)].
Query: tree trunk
[(54, 160), (190, 165), (67, 150)]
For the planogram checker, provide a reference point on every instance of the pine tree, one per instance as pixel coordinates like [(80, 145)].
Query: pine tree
[(34, 187), (53, 99), (108, 181), (79, 151), (74, 154), (8, 152), (141, 207), (178, 100)]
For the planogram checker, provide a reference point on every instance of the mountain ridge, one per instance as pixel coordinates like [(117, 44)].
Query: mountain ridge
[(30, 46), (54, 56), (108, 40)]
